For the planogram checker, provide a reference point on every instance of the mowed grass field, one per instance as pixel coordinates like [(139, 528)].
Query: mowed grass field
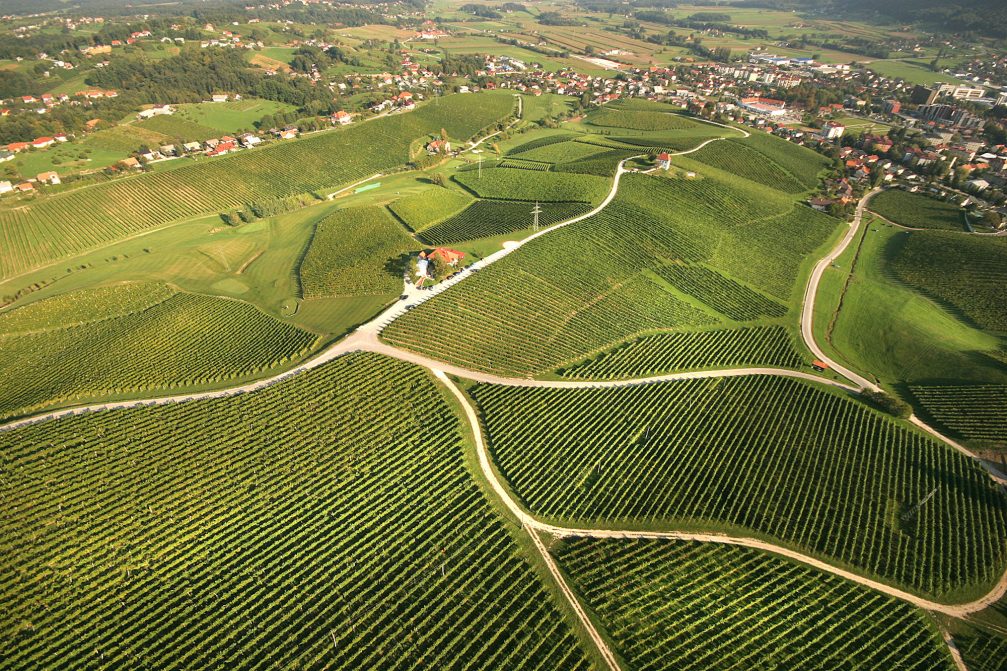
[(47, 229), (784, 459), (368, 546)]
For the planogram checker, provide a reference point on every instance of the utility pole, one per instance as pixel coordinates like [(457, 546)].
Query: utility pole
[(537, 211)]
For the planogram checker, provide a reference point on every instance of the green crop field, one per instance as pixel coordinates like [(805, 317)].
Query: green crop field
[(604, 163), (966, 273), (531, 185), (775, 456), (126, 339), (545, 308), (140, 539), (694, 606), (670, 352), (422, 210), (71, 222), (354, 252), (917, 211), (485, 218), (739, 159), (976, 413), (231, 116)]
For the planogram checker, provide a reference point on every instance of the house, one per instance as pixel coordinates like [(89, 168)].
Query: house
[(342, 118), (6, 156), (192, 146), (156, 110), (17, 146), (6, 186), (450, 257), (288, 133), (48, 178), (832, 131), (220, 97), (439, 147), (130, 162), (60, 137), (664, 160), (167, 149), (820, 204), (42, 142), (223, 148), (25, 187), (250, 140)]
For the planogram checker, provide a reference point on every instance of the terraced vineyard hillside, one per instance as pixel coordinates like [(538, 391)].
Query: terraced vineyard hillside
[(56, 226), (132, 338), (693, 606), (355, 251), (545, 308), (764, 455), (368, 546), (917, 210)]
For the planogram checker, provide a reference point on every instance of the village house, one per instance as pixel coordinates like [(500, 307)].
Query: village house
[(6, 187), (130, 162), (342, 118), (664, 160), (156, 110), (43, 142), (48, 178), (450, 257), (25, 187)]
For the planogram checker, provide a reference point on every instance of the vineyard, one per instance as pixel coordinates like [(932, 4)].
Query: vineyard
[(74, 221), (531, 185), (640, 120), (761, 454), (671, 352), (604, 164), (975, 413), (178, 128), (801, 163), (484, 218), (422, 210), (144, 539), (693, 606), (729, 298), (738, 159), (964, 273), (560, 152), (982, 650), (356, 251), (155, 341), (917, 211), (546, 308)]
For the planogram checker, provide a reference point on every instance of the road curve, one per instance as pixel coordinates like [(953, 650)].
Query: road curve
[(956, 610)]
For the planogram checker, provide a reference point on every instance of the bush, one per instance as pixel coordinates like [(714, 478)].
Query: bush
[(888, 403)]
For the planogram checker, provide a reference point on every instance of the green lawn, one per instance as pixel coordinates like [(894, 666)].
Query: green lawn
[(231, 116), (911, 73)]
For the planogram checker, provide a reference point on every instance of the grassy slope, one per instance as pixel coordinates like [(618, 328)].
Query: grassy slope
[(917, 210)]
